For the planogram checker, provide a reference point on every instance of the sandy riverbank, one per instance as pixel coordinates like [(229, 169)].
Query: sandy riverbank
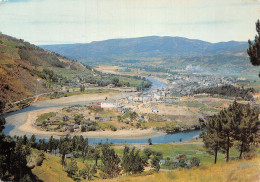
[(29, 126), (85, 98)]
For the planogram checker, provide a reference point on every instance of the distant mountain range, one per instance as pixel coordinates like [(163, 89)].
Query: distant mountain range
[(161, 54), (152, 46)]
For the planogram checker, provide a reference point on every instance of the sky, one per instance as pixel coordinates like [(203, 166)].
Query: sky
[(82, 21)]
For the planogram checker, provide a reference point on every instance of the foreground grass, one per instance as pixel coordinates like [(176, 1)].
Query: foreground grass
[(51, 170), (244, 170), (235, 170)]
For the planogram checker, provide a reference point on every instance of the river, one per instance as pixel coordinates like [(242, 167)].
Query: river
[(16, 119)]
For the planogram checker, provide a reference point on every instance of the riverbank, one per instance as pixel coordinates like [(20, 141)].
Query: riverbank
[(26, 123), (30, 127), (17, 122)]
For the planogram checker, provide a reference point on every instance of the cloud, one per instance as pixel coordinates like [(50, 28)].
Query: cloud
[(69, 21)]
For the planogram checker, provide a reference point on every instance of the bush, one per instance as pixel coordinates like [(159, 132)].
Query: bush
[(113, 128), (92, 128), (194, 162), (83, 128), (252, 153), (39, 161), (103, 175)]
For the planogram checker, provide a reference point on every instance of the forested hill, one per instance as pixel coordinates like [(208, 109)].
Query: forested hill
[(27, 70), (152, 46), (161, 54)]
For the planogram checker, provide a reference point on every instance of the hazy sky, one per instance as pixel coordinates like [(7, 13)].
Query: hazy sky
[(72, 21)]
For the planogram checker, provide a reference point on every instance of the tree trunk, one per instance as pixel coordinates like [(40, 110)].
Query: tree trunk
[(216, 156), (241, 151), (228, 143)]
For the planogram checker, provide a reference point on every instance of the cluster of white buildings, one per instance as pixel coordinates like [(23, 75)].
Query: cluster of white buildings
[(186, 84)]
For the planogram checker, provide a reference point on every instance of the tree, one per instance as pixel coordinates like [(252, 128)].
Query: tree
[(229, 118), (96, 155), (65, 118), (78, 118), (64, 149), (132, 162), (2, 106), (155, 163), (148, 152), (32, 141), (125, 160), (150, 141), (84, 149), (211, 135), (236, 123), (115, 81), (88, 172), (110, 161), (138, 164), (51, 143), (72, 168), (254, 48), (82, 88), (133, 116), (247, 130), (195, 162)]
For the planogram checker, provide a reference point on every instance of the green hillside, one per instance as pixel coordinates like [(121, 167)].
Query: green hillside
[(26, 70)]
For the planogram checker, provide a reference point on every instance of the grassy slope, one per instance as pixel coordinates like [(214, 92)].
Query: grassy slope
[(18, 62), (190, 149), (51, 170), (238, 170), (244, 170)]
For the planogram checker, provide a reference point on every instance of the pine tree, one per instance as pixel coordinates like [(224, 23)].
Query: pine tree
[(72, 168), (110, 161), (32, 141), (132, 162), (254, 48), (247, 131), (64, 149), (88, 172), (51, 143), (149, 141), (227, 131), (96, 155), (155, 163), (138, 165), (84, 149), (126, 160), (211, 135)]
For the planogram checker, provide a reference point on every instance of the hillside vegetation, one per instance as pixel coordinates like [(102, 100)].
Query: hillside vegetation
[(237, 170), (27, 70), (22, 63), (244, 170)]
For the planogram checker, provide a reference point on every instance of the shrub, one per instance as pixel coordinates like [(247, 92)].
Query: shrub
[(113, 128), (39, 161), (92, 128), (194, 162), (83, 128)]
